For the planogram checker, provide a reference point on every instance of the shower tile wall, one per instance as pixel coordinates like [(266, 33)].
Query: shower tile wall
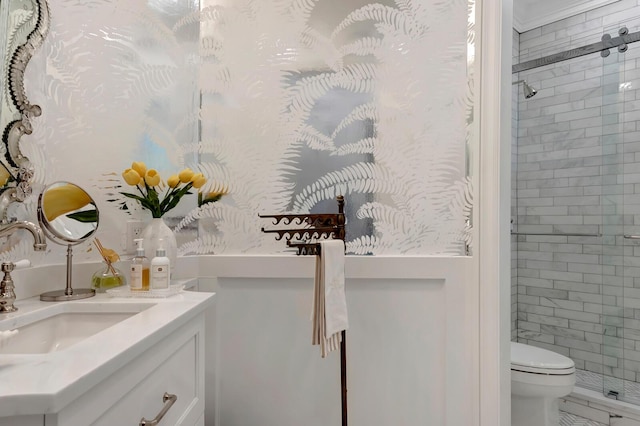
[(573, 137)]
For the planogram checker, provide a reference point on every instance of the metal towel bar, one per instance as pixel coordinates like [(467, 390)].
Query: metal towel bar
[(311, 227)]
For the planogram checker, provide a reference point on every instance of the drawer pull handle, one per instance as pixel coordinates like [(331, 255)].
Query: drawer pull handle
[(168, 400)]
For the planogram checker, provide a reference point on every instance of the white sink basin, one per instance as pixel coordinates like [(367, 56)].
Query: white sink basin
[(62, 325)]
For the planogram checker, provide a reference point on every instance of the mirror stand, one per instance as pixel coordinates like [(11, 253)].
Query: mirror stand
[(68, 293), (68, 216)]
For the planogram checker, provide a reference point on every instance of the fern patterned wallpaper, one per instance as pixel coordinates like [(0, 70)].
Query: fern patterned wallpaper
[(283, 103)]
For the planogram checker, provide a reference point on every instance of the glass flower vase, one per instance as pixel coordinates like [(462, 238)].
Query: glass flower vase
[(107, 277), (155, 231)]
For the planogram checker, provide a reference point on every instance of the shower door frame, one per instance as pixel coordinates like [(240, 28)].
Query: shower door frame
[(617, 318)]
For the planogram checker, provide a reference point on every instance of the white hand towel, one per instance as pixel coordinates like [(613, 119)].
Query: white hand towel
[(329, 312), (5, 336), (336, 318)]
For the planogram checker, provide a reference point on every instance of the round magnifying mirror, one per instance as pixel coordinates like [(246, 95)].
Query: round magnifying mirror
[(68, 215)]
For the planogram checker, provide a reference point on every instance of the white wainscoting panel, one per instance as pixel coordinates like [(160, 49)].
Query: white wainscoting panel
[(397, 337), (412, 355)]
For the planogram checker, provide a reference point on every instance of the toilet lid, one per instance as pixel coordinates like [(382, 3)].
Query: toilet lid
[(533, 357)]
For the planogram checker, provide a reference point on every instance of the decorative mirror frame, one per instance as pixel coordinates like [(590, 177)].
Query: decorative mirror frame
[(16, 163)]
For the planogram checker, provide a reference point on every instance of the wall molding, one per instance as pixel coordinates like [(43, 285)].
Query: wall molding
[(33, 281), (493, 210), (356, 267)]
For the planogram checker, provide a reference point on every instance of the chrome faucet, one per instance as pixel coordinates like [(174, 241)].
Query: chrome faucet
[(39, 240), (7, 295)]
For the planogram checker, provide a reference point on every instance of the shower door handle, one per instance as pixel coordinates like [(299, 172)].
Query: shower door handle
[(632, 237)]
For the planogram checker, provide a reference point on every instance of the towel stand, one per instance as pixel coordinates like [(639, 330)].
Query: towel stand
[(316, 226)]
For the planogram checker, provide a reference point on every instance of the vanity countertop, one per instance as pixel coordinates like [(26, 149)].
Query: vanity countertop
[(46, 383)]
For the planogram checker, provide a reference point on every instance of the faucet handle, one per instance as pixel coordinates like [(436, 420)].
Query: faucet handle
[(7, 295), (20, 264)]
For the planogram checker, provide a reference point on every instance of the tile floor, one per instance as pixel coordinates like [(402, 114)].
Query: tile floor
[(567, 419)]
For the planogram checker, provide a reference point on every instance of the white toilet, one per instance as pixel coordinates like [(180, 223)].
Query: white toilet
[(538, 378)]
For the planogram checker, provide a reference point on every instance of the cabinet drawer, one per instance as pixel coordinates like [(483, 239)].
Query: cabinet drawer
[(136, 390), (178, 376)]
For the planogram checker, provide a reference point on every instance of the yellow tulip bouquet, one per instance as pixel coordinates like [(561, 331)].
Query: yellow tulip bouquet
[(150, 185)]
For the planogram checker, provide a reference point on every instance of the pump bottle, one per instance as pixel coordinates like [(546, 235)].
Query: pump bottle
[(139, 269), (160, 269)]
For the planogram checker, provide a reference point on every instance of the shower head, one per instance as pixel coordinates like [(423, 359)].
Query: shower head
[(529, 92)]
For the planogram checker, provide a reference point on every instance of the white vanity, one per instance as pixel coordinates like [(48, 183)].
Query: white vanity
[(112, 365)]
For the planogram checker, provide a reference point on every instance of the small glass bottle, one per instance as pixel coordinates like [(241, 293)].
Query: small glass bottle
[(139, 269), (107, 277)]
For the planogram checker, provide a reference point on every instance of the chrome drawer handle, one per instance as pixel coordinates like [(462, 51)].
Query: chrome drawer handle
[(632, 237), (168, 400)]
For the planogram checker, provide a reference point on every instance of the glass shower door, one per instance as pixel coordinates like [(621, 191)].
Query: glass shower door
[(620, 201)]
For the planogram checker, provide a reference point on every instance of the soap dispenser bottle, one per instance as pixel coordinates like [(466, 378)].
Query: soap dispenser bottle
[(160, 269), (139, 269)]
